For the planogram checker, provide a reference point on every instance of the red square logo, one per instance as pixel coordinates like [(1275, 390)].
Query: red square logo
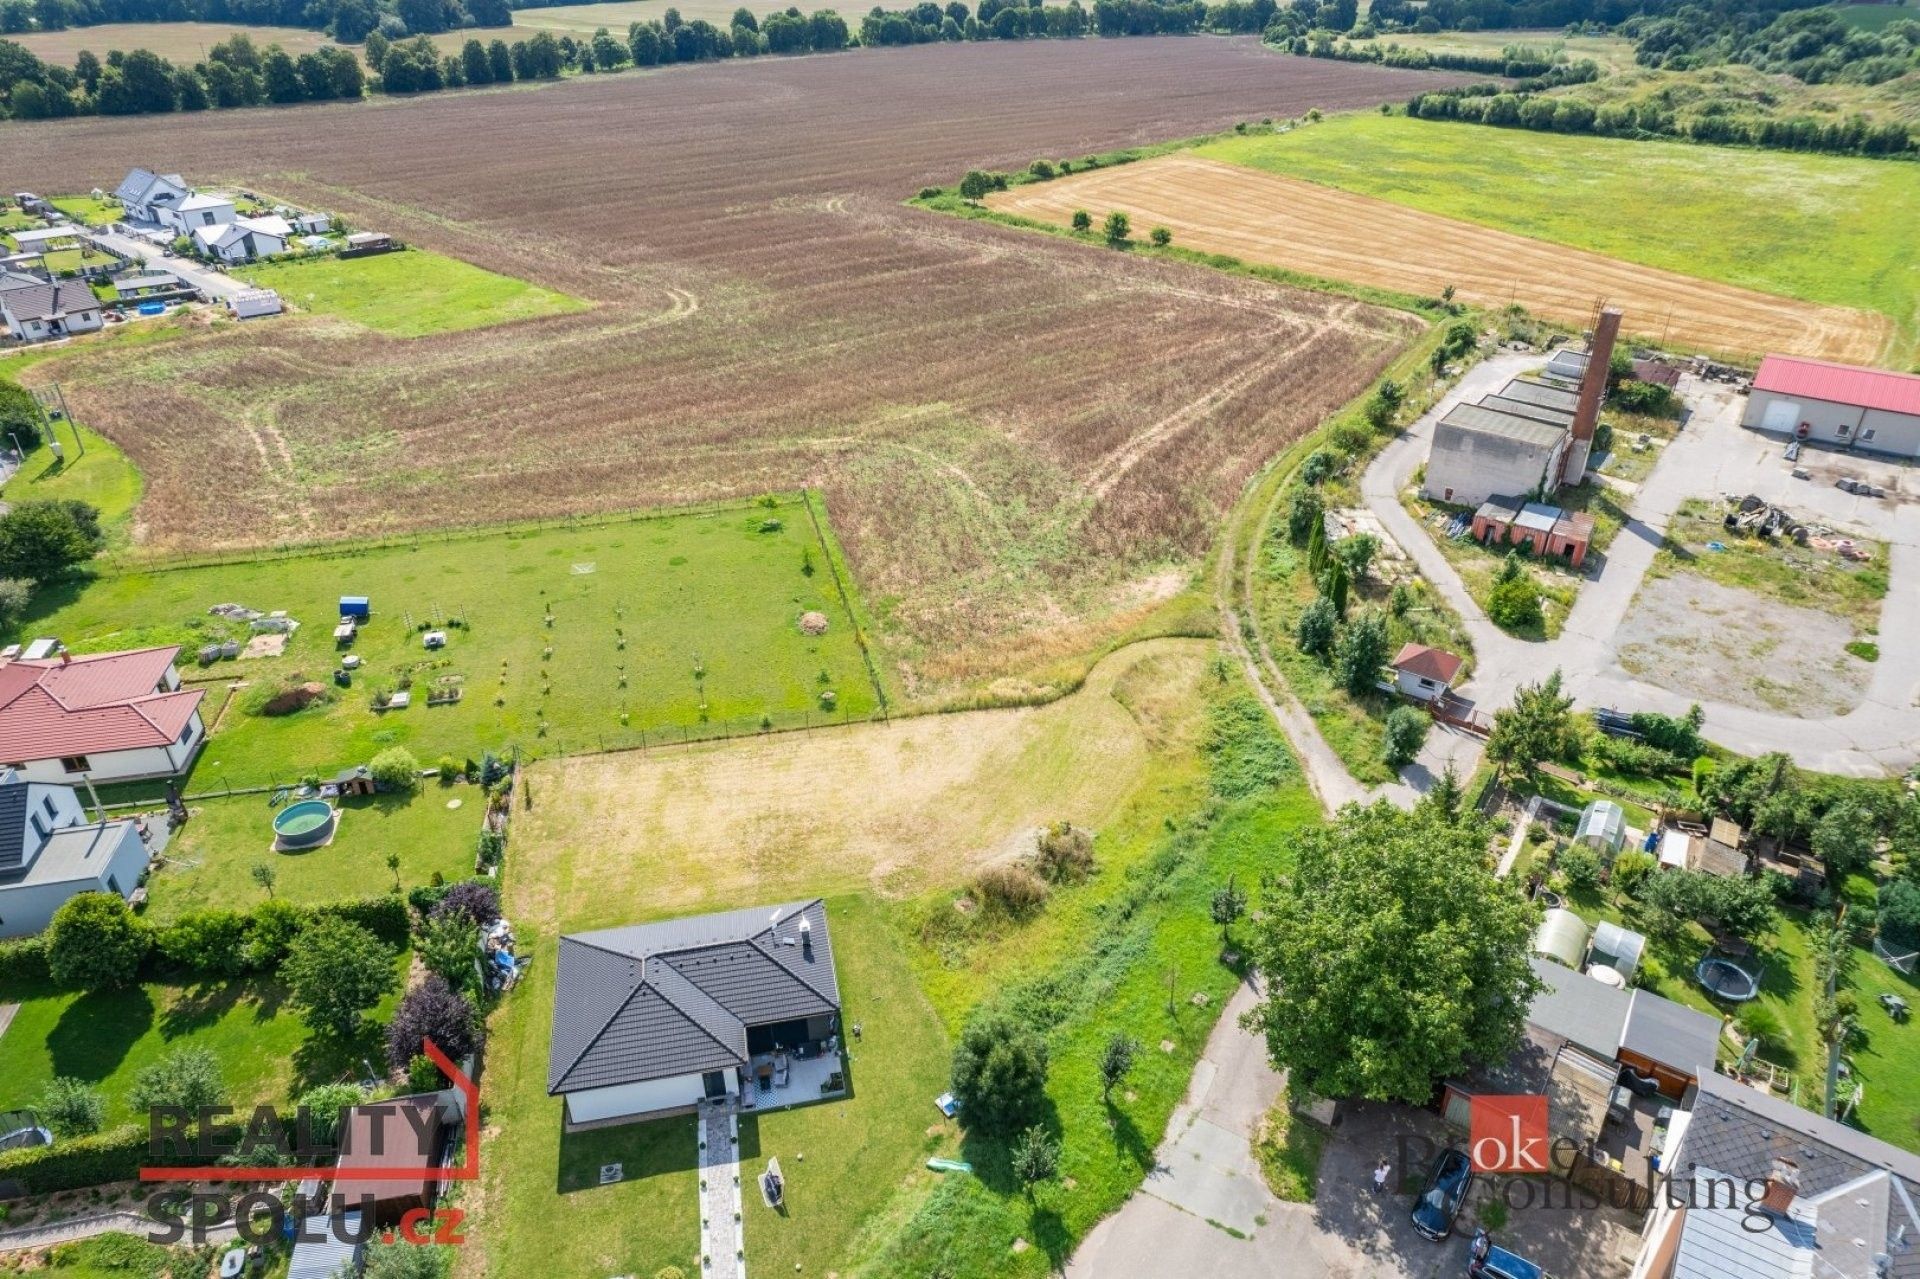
[(1509, 1134)]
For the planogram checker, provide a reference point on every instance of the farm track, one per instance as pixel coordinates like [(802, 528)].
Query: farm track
[(1279, 221), (1041, 424)]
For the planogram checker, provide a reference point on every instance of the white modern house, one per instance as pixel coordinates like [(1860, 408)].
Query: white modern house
[(45, 310), (198, 211), (737, 1008), (148, 196), (108, 717), (243, 239), (50, 852)]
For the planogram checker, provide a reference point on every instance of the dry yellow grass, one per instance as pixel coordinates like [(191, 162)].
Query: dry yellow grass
[(1279, 221), (896, 807)]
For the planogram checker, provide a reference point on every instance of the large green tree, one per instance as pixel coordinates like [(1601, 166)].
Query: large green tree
[(44, 538), (336, 970), (1393, 957), (1538, 727), (999, 1074)]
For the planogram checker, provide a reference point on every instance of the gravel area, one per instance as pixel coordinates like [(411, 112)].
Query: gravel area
[(1697, 637)]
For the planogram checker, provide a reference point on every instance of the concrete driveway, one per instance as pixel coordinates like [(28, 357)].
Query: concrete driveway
[(209, 281)]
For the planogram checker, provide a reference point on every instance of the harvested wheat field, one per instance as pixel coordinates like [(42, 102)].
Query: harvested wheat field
[(1012, 432), (895, 808), (1280, 221)]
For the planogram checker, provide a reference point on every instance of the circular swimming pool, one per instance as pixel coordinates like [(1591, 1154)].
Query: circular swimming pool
[(1726, 979), (305, 824)]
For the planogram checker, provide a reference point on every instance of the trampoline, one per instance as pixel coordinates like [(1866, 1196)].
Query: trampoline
[(1727, 980)]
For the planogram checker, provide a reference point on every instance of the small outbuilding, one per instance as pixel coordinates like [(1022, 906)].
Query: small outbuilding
[(1617, 949), (358, 607), (1603, 827), (250, 303), (1562, 936), (1424, 673)]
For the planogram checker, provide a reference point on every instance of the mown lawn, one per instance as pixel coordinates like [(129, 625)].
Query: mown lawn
[(407, 294), (211, 862), (87, 210), (266, 1054), (1824, 228), (574, 639), (95, 472), (1802, 576)]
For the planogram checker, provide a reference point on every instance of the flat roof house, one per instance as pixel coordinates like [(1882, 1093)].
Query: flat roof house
[(50, 852), (1671, 1042), (1762, 1189), (1840, 404), (110, 716), (45, 311), (653, 1019)]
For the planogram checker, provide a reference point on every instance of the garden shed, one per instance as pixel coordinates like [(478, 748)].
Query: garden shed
[(1562, 935), (1603, 827), (358, 607)]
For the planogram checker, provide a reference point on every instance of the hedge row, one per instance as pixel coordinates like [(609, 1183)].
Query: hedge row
[(74, 1163)]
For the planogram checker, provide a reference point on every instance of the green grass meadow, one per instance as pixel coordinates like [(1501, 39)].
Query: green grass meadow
[(407, 294), (575, 639), (87, 210), (1822, 228)]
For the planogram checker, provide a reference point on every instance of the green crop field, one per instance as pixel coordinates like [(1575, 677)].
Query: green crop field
[(1822, 228), (559, 639), (408, 294)]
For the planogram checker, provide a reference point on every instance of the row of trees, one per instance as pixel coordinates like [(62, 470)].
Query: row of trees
[(348, 21), (236, 73)]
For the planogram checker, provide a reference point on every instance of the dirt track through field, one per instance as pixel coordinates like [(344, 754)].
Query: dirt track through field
[(1012, 432), (1280, 221)]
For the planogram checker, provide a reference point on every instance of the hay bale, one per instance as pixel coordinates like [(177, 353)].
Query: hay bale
[(812, 623)]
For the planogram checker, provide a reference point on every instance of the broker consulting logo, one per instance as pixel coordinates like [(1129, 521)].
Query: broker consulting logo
[(1509, 1134), (381, 1176)]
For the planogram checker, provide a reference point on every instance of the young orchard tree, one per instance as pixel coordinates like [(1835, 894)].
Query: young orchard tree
[(1116, 1062), (1035, 1158), (1228, 904)]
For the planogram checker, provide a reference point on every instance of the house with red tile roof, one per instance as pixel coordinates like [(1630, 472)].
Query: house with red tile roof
[(108, 717), (1425, 673)]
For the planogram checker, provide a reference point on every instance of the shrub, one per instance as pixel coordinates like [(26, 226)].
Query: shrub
[(275, 924), (1629, 868), (71, 1107), (325, 1106), (1898, 913), (1580, 866), (1082, 220), (449, 770), (335, 971), (1320, 465), (95, 943), (396, 769), (1515, 605), (206, 941), (999, 1073), (1318, 624), (1040, 169), (432, 1010), (450, 946), (1362, 652), (23, 961), (1117, 227), (473, 900), (1161, 236), (187, 1078), (385, 917), (399, 1259), (81, 1162), (1305, 510), (1011, 890), (44, 538), (1064, 854), (1757, 1021), (1406, 733)]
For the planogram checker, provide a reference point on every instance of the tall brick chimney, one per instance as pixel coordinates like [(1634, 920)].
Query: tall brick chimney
[(1593, 389)]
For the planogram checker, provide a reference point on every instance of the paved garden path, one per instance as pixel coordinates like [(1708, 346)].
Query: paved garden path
[(100, 1223), (722, 1234)]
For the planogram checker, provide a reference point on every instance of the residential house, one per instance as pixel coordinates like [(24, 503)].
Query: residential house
[(1672, 1043), (243, 239), (312, 223), (147, 196), (1424, 673), (197, 211), (1759, 1188), (108, 716), (49, 309), (50, 852), (653, 1019)]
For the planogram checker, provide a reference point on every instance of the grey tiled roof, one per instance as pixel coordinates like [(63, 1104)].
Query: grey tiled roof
[(1741, 1132), (651, 1001)]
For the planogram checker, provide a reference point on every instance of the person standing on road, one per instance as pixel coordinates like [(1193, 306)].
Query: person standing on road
[(1380, 1177)]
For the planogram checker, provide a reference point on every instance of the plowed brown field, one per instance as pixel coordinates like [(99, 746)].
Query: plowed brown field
[(1017, 436), (1280, 221)]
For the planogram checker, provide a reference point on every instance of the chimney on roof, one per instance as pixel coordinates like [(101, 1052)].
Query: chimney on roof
[(1783, 1183), (1593, 388)]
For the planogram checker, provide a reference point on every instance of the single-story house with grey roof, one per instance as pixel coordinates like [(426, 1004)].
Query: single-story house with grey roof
[(1670, 1042), (653, 1019), (50, 310)]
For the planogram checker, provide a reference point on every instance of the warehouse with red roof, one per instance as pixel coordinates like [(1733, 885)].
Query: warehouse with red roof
[(108, 716), (1837, 404)]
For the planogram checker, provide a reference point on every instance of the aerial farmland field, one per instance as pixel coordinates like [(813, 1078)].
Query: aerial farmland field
[(1023, 443)]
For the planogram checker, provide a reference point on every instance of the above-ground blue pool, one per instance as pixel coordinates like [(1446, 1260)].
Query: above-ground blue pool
[(306, 824)]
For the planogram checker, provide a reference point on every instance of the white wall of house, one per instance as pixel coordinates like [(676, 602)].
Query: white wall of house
[(1418, 685), (1466, 467), (120, 766), (642, 1098), (26, 909), (41, 330)]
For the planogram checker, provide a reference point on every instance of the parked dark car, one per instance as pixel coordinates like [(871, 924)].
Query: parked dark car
[(1447, 1185), (1485, 1260)]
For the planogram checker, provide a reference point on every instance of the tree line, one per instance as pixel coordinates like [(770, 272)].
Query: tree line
[(348, 21)]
